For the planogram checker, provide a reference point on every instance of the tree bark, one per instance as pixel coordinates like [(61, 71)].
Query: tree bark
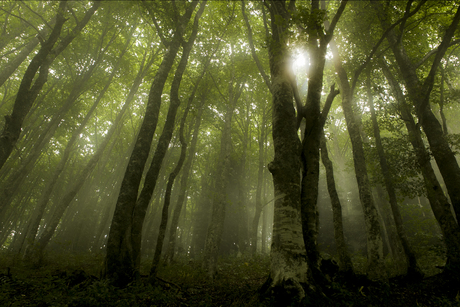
[(170, 253), (29, 89), (345, 264), (375, 260), (289, 272), (121, 257), (438, 201), (167, 200), (412, 267), (419, 93), (219, 197)]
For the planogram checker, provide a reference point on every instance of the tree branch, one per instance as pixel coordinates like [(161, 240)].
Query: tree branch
[(430, 53), (159, 31), (253, 51), (327, 105), (382, 38), (429, 81), (335, 19)]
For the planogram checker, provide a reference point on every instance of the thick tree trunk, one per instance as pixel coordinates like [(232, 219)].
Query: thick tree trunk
[(345, 264), (289, 272)]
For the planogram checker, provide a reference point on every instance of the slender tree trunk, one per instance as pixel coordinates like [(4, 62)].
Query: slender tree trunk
[(438, 201), (389, 231), (169, 257), (163, 143), (419, 93), (80, 179), (220, 199), (242, 212), (260, 179), (345, 264), (30, 86), (8, 70), (28, 90), (375, 259), (412, 268), (42, 203), (121, 257), (167, 201), (201, 215), (9, 189)]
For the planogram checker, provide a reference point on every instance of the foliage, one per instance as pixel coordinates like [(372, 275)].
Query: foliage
[(69, 280), (403, 166)]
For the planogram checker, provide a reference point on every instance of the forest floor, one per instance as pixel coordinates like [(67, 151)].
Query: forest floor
[(73, 280)]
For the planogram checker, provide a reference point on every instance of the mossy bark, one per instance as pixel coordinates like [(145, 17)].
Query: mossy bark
[(288, 269)]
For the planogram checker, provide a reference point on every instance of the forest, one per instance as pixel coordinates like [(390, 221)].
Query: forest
[(230, 153)]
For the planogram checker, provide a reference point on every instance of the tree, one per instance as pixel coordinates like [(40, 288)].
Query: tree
[(289, 270), (438, 201), (220, 198), (419, 93), (30, 88), (345, 263), (412, 268), (317, 41), (120, 260)]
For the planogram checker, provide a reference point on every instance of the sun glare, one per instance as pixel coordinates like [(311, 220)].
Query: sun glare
[(299, 61)]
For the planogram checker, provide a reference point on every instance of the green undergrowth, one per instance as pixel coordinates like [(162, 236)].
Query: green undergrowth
[(74, 280)]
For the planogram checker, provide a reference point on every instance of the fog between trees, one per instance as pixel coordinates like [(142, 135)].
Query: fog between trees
[(156, 131)]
